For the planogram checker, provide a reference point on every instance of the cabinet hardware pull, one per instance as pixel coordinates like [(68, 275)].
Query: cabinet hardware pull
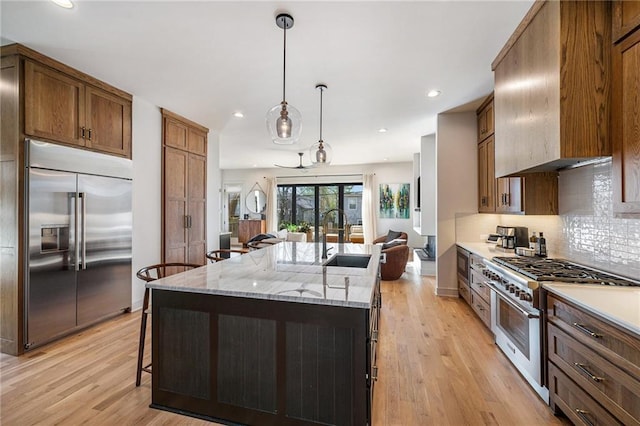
[(82, 130), (89, 134), (374, 336), (585, 330), (583, 415), (507, 197), (185, 221), (374, 375), (190, 221), (584, 369)]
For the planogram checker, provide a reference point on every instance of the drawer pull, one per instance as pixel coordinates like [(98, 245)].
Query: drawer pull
[(583, 415), (374, 373), (583, 368), (374, 336), (585, 330)]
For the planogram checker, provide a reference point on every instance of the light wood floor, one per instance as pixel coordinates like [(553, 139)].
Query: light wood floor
[(437, 366)]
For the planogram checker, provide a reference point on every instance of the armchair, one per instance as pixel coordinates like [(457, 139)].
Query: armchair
[(396, 251)]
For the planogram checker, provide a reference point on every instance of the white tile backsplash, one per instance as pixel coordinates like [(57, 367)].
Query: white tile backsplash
[(586, 231)]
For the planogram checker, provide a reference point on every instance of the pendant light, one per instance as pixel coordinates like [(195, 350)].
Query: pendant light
[(320, 151), (284, 121)]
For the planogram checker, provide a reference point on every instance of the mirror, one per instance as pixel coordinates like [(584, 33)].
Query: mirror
[(256, 200)]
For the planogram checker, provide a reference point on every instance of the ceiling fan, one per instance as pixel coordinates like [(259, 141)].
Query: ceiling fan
[(299, 166)]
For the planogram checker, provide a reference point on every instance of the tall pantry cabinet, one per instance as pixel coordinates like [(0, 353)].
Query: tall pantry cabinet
[(184, 189)]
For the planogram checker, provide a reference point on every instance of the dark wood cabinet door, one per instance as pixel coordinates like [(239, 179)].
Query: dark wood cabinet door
[(197, 202), (108, 122), (54, 105), (175, 205), (625, 124)]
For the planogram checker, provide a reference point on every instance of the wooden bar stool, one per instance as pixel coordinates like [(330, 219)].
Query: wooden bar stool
[(216, 255), (147, 274)]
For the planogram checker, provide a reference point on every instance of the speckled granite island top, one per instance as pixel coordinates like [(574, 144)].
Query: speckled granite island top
[(288, 271)]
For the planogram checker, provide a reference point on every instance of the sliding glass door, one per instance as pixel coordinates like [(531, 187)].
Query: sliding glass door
[(300, 205)]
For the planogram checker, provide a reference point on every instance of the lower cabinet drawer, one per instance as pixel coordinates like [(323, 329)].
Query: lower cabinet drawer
[(463, 290), (616, 390), (481, 307), (576, 404)]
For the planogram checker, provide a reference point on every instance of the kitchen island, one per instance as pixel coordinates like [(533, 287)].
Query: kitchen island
[(269, 337)]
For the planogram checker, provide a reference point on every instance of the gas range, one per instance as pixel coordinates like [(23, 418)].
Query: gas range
[(511, 284), (542, 269)]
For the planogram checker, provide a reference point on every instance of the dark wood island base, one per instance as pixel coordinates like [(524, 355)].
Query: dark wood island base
[(263, 362)]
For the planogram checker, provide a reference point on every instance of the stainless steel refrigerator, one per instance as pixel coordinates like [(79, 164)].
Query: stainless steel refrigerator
[(79, 229)]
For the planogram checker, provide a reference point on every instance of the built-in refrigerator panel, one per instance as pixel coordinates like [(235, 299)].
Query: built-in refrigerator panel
[(104, 279), (51, 293), (79, 224)]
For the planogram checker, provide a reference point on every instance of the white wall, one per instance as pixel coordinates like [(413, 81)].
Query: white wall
[(428, 184), (384, 173), (147, 189), (147, 162), (457, 191)]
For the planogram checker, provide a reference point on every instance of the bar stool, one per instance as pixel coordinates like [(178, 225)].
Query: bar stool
[(216, 255), (147, 274)]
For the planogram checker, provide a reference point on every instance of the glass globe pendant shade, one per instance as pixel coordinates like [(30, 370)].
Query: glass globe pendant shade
[(320, 153), (284, 123)]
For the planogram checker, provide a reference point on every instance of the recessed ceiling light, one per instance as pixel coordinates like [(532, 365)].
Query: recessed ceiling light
[(238, 114), (385, 159), (255, 165), (433, 93), (382, 130), (67, 4)]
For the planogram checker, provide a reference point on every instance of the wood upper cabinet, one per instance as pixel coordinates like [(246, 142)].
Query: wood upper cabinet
[(552, 88), (626, 18), (509, 195), (625, 124), (65, 109), (184, 193), (54, 105), (486, 177), (108, 122), (485, 119), (533, 193)]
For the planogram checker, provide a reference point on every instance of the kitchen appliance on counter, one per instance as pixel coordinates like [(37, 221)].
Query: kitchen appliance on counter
[(517, 306), (79, 226), (513, 236)]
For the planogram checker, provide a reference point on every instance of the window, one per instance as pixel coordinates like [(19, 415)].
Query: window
[(308, 204)]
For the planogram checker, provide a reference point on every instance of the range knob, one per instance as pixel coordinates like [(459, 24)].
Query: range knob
[(512, 288), (517, 292), (523, 295), (527, 297)]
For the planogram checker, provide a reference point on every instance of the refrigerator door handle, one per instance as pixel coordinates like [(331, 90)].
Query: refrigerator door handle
[(76, 224), (83, 195)]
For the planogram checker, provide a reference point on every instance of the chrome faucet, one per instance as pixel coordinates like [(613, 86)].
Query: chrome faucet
[(324, 229)]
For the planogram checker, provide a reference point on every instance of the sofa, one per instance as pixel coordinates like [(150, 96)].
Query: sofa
[(396, 251), (356, 234)]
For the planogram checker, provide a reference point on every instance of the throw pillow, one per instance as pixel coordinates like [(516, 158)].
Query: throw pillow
[(392, 235), (390, 244), (261, 237)]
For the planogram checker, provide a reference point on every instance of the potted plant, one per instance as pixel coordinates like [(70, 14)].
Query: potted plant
[(306, 228)]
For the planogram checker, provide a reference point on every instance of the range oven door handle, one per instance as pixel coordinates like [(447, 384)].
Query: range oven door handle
[(511, 303)]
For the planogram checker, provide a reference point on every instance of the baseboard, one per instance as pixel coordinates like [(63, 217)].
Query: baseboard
[(447, 292)]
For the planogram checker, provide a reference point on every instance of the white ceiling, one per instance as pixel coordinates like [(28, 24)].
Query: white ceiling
[(206, 59)]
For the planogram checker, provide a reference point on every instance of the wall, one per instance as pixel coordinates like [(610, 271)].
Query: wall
[(384, 173), (586, 231), (147, 198), (426, 218), (457, 191), (147, 158)]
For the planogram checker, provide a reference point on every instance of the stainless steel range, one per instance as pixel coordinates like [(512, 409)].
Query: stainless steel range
[(516, 306)]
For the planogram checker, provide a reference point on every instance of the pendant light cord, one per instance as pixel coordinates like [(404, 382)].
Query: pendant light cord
[(321, 90), (284, 64)]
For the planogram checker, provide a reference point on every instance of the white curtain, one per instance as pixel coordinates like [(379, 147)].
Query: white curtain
[(368, 208), (272, 205)]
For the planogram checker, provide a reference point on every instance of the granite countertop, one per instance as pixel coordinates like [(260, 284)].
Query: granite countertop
[(288, 271), (620, 305), (485, 250)]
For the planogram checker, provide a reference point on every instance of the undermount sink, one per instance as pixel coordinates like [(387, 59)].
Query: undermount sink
[(349, 260)]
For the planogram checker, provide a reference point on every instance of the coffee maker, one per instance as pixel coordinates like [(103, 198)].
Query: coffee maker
[(513, 236)]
